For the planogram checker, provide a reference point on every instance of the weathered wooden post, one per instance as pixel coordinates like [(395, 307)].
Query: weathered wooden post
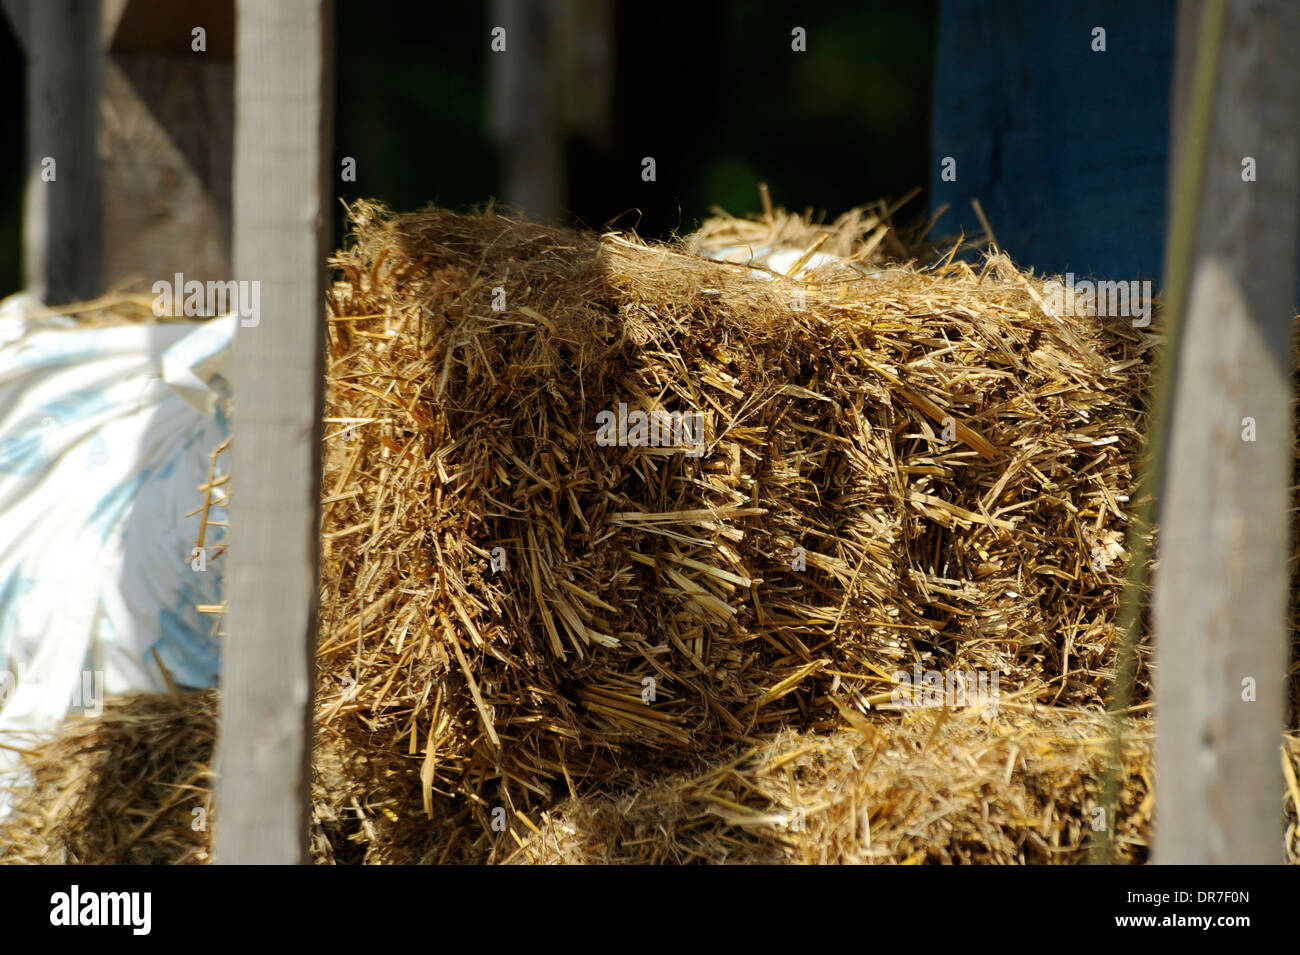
[(550, 76), (281, 215), (525, 106), (61, 198), (1221, 589)]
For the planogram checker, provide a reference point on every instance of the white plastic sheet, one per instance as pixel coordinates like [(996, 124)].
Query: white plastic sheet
[(105, 437)]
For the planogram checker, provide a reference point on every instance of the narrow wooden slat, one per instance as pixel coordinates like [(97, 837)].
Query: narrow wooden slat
[(1221, 587), (526, 111), (60, 217), (282, 146)]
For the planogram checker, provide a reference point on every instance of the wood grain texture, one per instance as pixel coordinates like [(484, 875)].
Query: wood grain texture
[(1220, 600), (282, 146)]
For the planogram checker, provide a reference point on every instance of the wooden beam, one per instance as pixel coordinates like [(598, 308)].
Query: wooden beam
[(526, 106), (61, 199), (281, 213), (1221, 588)]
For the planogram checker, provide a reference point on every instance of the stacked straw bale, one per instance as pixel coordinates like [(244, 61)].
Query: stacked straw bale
[(937, 786), (119, 789), (953, 460), (902, 468)]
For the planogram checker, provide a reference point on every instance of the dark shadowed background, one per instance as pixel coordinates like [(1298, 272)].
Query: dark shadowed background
[(1065, 145), (711, 90)]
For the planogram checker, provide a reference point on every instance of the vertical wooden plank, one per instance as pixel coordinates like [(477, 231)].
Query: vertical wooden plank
[(526, 105), (283, 92), (60, 217), (1221, 587)]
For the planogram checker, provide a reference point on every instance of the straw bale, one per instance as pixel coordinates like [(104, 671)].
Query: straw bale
[(455, 428), (119, 789), (953, 460), (939, 787)]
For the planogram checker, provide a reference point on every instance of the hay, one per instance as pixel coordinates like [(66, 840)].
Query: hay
[(119, 789), (109, 311), (939, 787), (953, 461)]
